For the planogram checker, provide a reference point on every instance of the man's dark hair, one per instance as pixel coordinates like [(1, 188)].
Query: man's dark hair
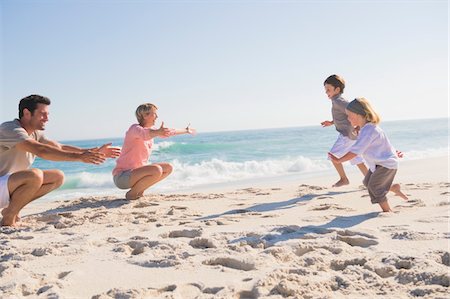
[(31, 102), (336, 81)]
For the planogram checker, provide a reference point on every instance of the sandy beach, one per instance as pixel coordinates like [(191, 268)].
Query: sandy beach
[(296, 239)]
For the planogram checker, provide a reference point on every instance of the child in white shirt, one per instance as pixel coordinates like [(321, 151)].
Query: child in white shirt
[(373, 145)]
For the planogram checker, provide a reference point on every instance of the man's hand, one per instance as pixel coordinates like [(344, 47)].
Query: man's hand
[(109, 151), (326, 123), (92, 157)]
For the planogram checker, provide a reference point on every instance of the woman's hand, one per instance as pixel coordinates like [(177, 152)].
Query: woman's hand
[(163, 131), (190, 130)]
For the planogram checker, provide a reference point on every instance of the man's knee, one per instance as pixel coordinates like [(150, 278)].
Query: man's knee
[(35, 176), (58, 177)]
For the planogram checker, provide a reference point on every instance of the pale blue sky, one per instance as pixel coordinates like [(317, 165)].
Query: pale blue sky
[(220, 65)]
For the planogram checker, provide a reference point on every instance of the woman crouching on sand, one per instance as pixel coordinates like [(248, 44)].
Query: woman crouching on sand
[(373, 145), (132, 170)]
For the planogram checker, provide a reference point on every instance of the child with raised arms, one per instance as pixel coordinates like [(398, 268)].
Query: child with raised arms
[(334, 88), (132, 170), (373, 145)]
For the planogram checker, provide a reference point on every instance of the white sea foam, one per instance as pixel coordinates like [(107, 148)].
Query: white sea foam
[(426, 153), (162, 145), (212, 171), (217, 171)]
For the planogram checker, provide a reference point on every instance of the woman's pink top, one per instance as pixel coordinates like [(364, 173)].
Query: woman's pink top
[(136, 149)]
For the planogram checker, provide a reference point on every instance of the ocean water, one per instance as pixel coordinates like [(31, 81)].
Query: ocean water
[(213, 158)]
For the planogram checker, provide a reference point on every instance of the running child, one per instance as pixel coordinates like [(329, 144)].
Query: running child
[(373, 145)]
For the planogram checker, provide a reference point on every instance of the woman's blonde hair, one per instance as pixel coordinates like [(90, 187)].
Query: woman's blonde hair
[(142, 110), (371, 115)]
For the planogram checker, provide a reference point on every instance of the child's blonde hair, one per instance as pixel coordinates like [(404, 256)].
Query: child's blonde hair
[(142, 110), (371, 115)]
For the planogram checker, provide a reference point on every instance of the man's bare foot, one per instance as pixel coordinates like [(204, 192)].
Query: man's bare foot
[(8, 219), (341, 182), (131, 196), (396, 189)]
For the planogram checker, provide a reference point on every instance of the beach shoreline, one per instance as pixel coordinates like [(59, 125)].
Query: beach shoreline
[(259, 239)]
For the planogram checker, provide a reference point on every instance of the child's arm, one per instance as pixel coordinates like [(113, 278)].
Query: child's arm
[(348, 156), (327, 123)]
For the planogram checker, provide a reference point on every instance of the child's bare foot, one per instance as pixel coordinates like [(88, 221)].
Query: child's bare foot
[(396, 189), (385, 206), (341, 182), (8, 219)]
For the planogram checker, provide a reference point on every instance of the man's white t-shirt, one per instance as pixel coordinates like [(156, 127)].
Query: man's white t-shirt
[(12, 159)]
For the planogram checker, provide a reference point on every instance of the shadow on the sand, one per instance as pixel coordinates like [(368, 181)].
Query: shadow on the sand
[(285, 233), (273, 206), (87, 203)]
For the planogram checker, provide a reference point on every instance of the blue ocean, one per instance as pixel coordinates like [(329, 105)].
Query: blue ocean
[(229, 157)]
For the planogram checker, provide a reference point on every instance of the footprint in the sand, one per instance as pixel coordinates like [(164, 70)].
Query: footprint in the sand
[(63, 274), (437, 219), (161, 263), (230, 262), (270, 216), (207, 196), (202, 243), (400, 262), (145, 204), (421, 186), (189, 290), (41, 251), (444, 184), (340, 265), (413, 235), (445, 258), (411, 203), (325, 197), (394, 228), (215, 222), (329, 206), (312, 187), (185, 233), (356, 239)]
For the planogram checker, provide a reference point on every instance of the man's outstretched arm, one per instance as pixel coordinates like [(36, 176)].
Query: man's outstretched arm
[(54, 153)]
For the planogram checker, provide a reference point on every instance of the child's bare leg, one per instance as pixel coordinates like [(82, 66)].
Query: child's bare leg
[(363, 168), (385, 206), (395, 188), (343, 177)]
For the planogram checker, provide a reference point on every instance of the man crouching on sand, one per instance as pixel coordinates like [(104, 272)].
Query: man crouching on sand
[(20, 141)]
